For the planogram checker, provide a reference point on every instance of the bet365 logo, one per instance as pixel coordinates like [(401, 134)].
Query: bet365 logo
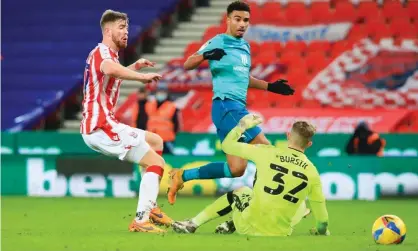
[(48, 183)]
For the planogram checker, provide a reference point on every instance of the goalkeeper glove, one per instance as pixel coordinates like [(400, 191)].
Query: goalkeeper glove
[(249, 121), (280, 87), (215, 54)]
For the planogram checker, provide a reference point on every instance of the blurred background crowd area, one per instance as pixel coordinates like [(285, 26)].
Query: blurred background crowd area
[(353, 64)]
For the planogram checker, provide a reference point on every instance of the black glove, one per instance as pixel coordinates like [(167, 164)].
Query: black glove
[(280, 87), (215, 54)]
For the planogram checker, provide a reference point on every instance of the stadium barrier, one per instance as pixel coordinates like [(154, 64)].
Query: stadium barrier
[(343, 178), (191, 144)]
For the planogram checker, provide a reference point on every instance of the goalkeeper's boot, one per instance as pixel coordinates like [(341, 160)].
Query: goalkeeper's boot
[(228, 227), (158, 217), (184, 227), (145, 227), (176, 183)]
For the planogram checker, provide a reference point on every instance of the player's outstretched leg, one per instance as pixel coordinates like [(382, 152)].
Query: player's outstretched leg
[(212, 170), (222, 206), (234, 167)]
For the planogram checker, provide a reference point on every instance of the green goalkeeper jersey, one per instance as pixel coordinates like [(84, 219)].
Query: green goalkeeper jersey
[(284, 179)]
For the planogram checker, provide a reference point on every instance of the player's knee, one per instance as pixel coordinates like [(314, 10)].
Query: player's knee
[(243, 189), (154, 140), (237, 170)]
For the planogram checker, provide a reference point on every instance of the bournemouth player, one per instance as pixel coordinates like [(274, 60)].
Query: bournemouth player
[(230, 63)]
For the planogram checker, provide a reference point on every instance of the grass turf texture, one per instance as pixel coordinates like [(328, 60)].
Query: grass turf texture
[(101, 224)]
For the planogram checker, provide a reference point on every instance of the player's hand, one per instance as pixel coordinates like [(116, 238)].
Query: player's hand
[(142, 63), (215, 54), (149, 77), (249, 121), (280, 87)]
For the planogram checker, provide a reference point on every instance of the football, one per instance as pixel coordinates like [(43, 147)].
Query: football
[(389, 229)]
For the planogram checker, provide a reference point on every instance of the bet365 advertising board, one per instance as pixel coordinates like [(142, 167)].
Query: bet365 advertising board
[(343, 178)]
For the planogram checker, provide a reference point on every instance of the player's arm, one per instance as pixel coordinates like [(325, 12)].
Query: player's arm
[(108, 67), (280, 86), (318, 206), (193, 61), (141, 63), (231, 146), (211, 50)]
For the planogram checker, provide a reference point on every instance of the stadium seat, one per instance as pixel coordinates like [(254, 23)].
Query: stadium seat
[(271, 46), (339, 47), (212, 31), (177, 61), (265, 57), (291, 59), (255, 48), (298, 47), (321, 12), (344, 11), (316, 61), (323, 46), (412, 9), (367, 10), (358, 31), (296, 13), (272, 13), (393, 9), (192, 48), (402, 27)]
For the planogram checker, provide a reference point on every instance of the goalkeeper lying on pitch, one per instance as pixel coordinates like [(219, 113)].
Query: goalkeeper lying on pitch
[(284, 178)]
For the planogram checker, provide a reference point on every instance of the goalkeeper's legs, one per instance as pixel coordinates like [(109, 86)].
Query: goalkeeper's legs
[(222, 206)]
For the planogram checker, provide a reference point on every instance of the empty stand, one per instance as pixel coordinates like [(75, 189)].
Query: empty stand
[(46, 46)]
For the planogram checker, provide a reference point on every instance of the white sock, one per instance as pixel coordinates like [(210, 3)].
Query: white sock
[(148, 193)]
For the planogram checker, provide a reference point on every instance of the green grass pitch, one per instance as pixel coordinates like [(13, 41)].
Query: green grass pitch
[(102, 223)]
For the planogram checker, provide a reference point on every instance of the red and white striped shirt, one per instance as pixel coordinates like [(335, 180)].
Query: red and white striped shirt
[(101, 92)]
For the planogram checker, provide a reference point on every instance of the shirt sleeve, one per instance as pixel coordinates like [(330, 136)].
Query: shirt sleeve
[(317, 200), (231, 146), (210, 45), (102, 55)]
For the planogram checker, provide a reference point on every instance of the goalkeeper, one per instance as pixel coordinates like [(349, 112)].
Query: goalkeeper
[(284, 178)]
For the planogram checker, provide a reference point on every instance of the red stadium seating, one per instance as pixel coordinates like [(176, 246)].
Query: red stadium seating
[(192, 48), (272, 13), (393, 9), (321, 12), (297, 14), (296, 46), (212, 31), (412, 9), (402, 27), (344, 11), (316, 61), (272, 47), (255, 48), (304, 60), (323, 46), (367, 10)]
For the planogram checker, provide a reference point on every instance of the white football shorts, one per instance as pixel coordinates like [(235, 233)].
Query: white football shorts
[(129, 144)]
